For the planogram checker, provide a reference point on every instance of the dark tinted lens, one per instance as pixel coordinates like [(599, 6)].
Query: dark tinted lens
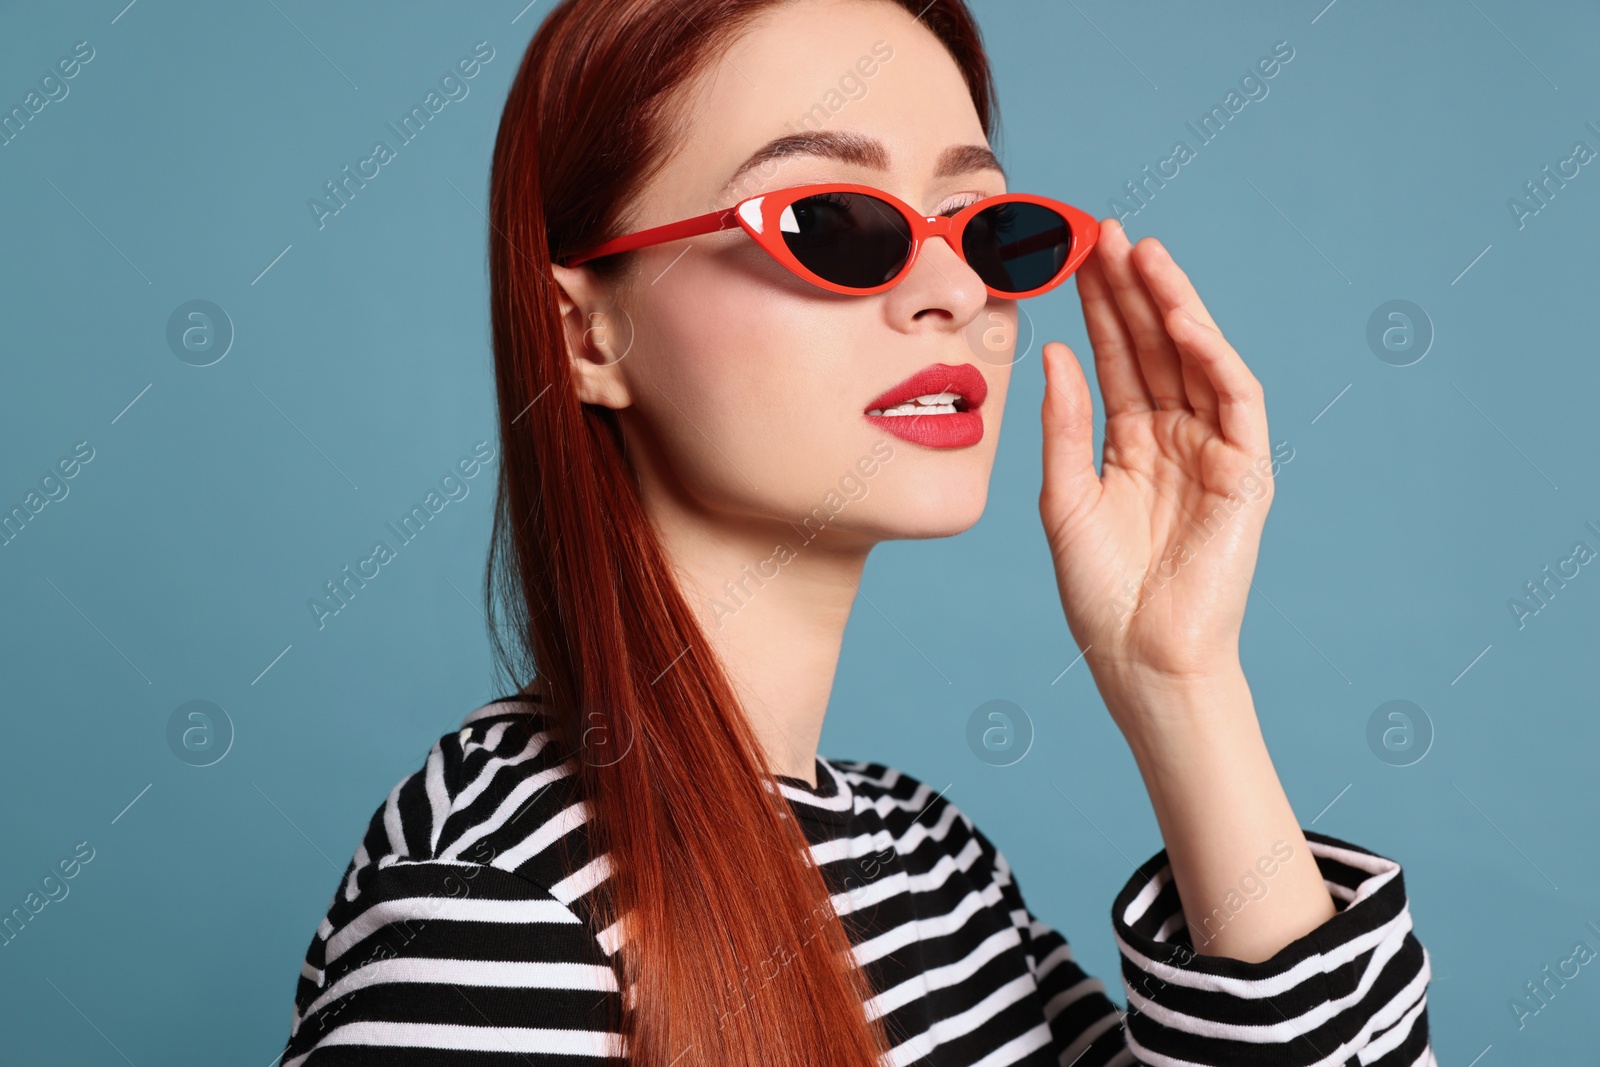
[(1016, 247), (848, 238)]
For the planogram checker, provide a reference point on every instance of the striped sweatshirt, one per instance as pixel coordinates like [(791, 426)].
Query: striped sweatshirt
[(457, 936)]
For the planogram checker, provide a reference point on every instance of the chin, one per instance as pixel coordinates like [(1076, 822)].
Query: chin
[(929, 511)]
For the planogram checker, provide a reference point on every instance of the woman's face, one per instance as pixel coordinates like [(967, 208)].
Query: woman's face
[(744, 389)]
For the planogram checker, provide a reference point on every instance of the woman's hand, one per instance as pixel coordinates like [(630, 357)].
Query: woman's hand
[(1153, 560), (1153, 556)]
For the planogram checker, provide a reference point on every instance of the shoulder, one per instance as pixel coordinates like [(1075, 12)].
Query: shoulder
[(496, 792), (459, 882), (919, 816), (885, 788), (897, 796)]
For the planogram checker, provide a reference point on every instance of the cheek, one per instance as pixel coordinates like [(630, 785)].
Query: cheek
[(752, 393), (750, 388)]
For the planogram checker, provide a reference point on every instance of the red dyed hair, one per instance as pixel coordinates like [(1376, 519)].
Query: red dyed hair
[(687, 817)]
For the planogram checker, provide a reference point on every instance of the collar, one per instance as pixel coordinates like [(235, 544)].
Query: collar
[(830, 803)]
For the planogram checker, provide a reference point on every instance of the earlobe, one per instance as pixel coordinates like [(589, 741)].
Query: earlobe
[(598, 335)]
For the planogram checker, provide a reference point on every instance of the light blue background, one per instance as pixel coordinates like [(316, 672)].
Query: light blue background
[(179, 566)]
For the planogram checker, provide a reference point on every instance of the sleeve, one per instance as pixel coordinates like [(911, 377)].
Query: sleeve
[(458, 964), (1085, 1026), (1353, 990)]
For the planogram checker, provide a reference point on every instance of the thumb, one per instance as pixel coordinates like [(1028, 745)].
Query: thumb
[(1068, 415)]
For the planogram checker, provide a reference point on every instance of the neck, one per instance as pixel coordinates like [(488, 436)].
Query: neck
[(774, 607)]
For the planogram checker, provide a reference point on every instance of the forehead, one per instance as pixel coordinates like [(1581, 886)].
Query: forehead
[(854, 86)]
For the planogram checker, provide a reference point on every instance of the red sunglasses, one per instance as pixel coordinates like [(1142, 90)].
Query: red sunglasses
[(858, 240)]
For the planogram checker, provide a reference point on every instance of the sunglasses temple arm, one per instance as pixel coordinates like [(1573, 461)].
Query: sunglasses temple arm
[(712, 222), (1036, 243)]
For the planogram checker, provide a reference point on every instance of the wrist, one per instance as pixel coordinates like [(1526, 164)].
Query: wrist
[(1199, 749), (1135, 684), (1162, 716)]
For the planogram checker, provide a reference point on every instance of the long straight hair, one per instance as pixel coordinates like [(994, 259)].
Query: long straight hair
[(679, 792)]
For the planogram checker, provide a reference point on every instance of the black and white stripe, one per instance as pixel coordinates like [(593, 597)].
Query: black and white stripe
[(458, 936)]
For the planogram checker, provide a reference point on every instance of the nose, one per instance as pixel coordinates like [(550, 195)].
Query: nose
[(941, 285)]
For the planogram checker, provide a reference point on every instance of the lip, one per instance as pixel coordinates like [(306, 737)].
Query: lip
[(960, 429)]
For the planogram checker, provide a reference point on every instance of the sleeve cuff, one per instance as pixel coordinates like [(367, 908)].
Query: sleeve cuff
[(1355, 984)]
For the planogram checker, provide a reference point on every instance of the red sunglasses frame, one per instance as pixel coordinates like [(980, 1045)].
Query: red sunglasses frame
[(759, 217)]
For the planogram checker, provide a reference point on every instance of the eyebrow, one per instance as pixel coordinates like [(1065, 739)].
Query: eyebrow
[(862, 151)]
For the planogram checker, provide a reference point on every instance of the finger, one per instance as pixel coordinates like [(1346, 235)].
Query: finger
[(1171, 288), (1168, 283), (1241, 407), (1158, 356), (1155, 266), (1068, 416), (1197, 387), (1115, 360)]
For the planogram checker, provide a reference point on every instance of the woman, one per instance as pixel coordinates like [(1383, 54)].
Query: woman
[(639, 856)]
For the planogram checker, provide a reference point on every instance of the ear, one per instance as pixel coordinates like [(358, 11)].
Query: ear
[(598, 335)]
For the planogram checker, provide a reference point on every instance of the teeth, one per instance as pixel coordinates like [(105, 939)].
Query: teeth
[(916, 409), (927, 404)]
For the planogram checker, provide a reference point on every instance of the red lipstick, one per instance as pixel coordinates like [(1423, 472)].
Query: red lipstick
[(938, 427)]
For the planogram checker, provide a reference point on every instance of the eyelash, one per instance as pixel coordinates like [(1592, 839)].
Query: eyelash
[(970, 199), (839, 201)]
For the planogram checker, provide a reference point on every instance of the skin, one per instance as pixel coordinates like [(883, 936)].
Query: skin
[(741, 390)]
